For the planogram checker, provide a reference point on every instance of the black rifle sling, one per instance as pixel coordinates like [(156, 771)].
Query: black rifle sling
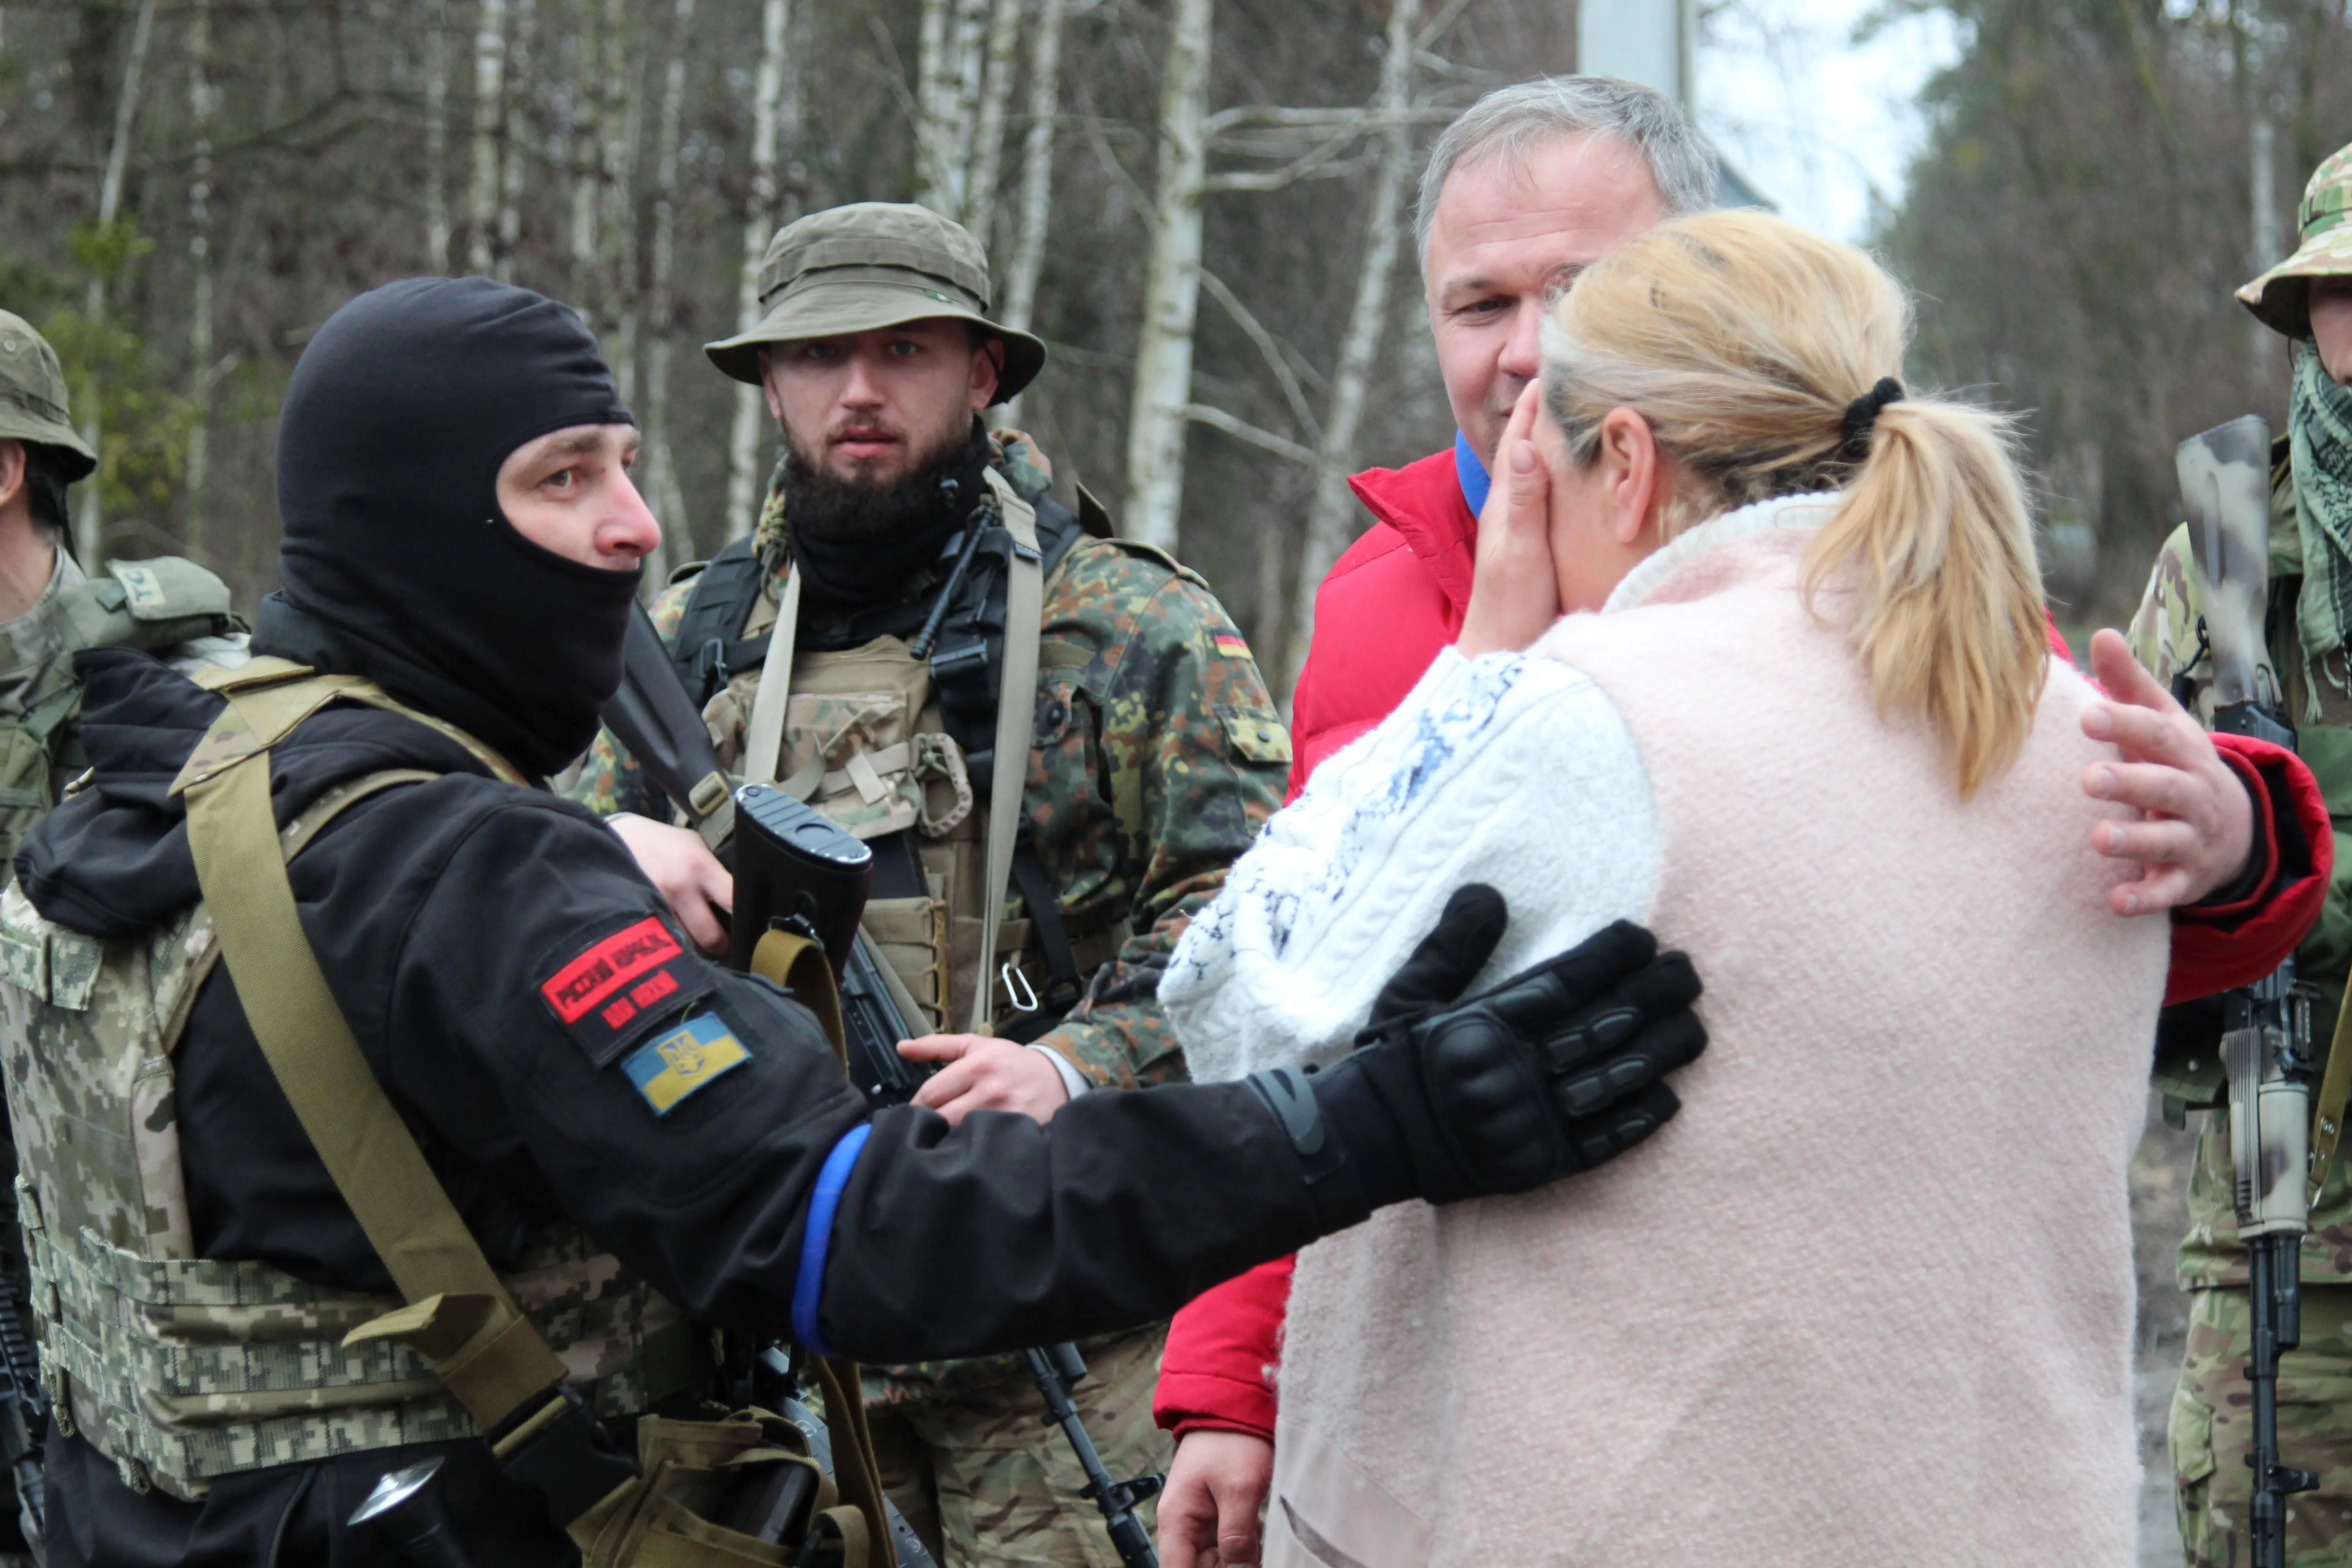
[(1063, 984), (707, 647)]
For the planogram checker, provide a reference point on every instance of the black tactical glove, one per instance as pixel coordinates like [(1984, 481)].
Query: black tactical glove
[(1556, 1071)]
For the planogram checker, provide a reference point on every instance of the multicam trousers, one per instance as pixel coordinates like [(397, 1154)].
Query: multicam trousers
[(982, 1471), (2213, 1430)]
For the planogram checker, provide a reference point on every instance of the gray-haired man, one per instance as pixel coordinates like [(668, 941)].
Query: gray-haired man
[(1530, 185)]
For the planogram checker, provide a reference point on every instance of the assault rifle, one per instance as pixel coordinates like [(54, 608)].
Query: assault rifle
[(792, 867), (1056, 1368), (23, 1412), (2266, 1026)]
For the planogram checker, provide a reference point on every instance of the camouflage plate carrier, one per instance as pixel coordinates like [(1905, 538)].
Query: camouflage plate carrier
[(182, 1368), (899, 748)]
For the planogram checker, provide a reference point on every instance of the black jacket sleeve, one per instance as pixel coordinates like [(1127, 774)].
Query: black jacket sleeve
[(1001, 1232)]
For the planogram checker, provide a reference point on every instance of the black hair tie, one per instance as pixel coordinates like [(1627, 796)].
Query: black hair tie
[(1862, 416)]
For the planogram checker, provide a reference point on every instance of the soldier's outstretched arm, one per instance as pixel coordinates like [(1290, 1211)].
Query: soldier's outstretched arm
[(1123, 1207), (697, 1123)]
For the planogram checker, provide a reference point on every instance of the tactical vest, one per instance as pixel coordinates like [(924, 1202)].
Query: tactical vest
[(889, 725), (152, 605), (183, 1369)]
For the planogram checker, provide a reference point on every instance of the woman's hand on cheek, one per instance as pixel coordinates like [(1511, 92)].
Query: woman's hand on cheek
[(1514, 590)]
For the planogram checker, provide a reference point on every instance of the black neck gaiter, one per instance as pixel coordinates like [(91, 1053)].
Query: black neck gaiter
[(398, 563), (858, 544)]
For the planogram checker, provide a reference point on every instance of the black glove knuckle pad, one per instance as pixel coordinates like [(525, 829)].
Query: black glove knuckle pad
[(1486, 1091), (1559, 1068)]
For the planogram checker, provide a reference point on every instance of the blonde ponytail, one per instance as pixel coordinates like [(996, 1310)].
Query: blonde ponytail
[(1744, 341)]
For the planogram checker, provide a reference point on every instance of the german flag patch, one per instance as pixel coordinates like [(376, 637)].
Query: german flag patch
[(672, 1066), (619, 986), (1230, 645)]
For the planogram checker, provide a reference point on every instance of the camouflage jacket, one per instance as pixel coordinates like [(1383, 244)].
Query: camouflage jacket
[(1158, 754), (2167, 633), (172, 608)]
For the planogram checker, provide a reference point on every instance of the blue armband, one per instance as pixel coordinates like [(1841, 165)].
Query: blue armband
[(816, 1241)]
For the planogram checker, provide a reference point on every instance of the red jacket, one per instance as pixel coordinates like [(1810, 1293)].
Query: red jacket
[(1385, 611)]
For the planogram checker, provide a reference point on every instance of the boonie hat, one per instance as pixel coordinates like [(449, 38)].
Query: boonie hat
[(872, 264), (33, 398), (2280, 298)]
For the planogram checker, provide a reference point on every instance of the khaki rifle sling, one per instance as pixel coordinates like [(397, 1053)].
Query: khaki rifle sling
[(763, 738), (788, 959), (2327, 1109), (1016, 720), (458, 1315)]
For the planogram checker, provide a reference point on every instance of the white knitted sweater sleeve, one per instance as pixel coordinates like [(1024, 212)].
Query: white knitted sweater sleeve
[(1511, 770)]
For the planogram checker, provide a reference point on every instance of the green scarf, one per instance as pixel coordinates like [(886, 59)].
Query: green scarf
[(2319, 433)]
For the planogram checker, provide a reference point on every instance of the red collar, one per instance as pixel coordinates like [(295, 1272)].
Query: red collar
[(1423, 501)]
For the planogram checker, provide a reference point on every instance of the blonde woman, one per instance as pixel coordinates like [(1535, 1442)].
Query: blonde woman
[(1869, 1300)]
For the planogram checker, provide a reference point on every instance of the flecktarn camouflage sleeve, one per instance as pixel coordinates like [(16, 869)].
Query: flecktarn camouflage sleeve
[(1194, 757), (611, 782)]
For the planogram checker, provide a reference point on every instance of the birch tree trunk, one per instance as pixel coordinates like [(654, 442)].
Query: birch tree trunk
[(436, 141), (988, 142), (948, 91), (624, 112), (662, 489), (489, 95), (200, 267), (743, 446), (1329, 515), (1171, 289), (931, 74), (587, 159), (1020, 287), (930, 71), (517, 139), (91, 526)]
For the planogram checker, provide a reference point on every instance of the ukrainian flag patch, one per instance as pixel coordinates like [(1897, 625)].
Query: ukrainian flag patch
[(671, 1065)]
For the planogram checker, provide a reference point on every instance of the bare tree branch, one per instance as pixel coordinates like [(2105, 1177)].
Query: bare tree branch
[(1269, 347), (1243, 430)]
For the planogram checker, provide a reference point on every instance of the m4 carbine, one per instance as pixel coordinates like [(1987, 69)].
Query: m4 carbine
[(795, 867), (2266, 1026)]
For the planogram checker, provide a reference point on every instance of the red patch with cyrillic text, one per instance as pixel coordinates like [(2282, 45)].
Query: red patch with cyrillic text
[(620, 985)]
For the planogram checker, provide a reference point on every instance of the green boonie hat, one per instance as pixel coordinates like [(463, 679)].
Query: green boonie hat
[(33, 398), (872, 264), (2281, 297)]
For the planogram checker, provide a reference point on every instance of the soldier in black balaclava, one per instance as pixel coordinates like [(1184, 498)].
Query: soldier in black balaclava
[(644, 1147)]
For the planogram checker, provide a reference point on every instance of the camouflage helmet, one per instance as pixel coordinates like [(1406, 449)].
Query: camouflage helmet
[(867, 264), (2280, 298), (33, 398)]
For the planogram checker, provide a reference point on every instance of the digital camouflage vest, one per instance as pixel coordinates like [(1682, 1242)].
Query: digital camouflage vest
[(183, 1369), (157, 606)]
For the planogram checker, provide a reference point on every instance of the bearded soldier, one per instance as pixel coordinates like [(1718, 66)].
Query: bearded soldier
[(1153, 755), (2308, 298)]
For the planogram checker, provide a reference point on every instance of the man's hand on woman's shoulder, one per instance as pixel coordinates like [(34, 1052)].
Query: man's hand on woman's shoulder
[(2196, 830)]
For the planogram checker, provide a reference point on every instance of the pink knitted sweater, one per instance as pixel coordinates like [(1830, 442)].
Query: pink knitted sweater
[(1868, 1301)]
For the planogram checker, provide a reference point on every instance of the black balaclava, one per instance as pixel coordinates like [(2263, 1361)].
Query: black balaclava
[(857, 543), (398, 563)]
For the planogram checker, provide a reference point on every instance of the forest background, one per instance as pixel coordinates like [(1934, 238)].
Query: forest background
[(1204, 206)]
